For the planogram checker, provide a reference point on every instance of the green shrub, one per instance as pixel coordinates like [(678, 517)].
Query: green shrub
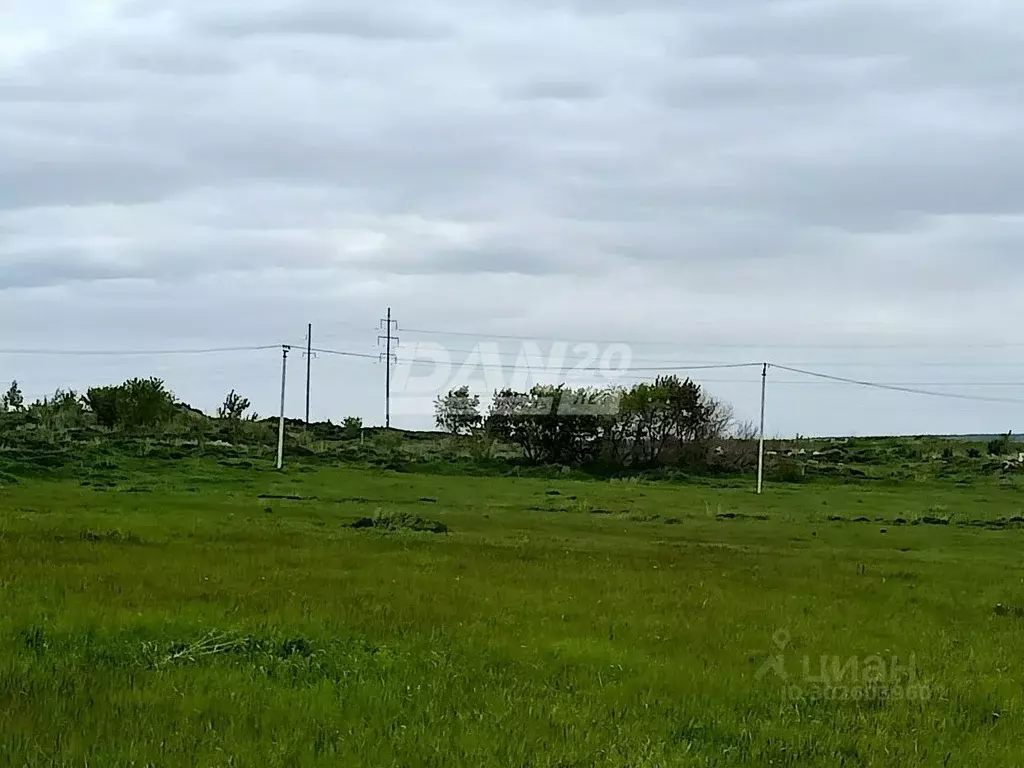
[(1001, 446), (398, 520), (352, 428), (135, 404), (788, 471)]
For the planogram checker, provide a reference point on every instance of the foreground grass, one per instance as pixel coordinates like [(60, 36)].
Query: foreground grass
[(205, 615)]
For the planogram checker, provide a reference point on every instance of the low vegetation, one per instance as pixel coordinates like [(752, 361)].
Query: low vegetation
[(670, 430), (202, 612), (514, 592)]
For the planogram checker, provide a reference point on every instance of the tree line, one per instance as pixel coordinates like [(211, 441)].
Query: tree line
[(135, 404), (670, 422)]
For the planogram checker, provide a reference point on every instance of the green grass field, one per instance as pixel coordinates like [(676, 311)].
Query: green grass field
[(189, 616)]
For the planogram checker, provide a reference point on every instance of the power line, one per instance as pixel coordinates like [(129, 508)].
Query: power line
[(907, 387), (520, 354), (729, 345), (904, 387), (778, 382), (572, 369), (340, 353), (134, 352), (898, 388), (844, 364)]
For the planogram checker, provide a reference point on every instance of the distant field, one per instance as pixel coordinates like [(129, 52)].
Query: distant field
[(984, 438), (189, 614)]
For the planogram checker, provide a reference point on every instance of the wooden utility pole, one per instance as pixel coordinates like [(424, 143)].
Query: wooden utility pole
[(389, 358), (309, 363)]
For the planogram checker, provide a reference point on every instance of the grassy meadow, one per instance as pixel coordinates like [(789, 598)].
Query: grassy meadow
[(196, 612)]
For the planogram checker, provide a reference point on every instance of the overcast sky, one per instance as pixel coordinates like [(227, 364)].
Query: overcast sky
[(831, 185)]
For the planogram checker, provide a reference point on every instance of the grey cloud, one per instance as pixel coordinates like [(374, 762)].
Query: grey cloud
[(58, 266), (84, 179), (747, 86), (481, 261), (919, 45), (370, 23), (767, 171), (946, 173), (667, 9), (557, 90), (830, 28), (142, 255), (164, 57)]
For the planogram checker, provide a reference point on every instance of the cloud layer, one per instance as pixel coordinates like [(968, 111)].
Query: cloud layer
[(709, 180)]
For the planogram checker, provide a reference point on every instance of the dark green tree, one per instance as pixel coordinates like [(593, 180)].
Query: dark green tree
[(234, 407), (458, 412), (103, 402), (13, 400), (135, 404)]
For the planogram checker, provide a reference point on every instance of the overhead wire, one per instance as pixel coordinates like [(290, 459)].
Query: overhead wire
[(915, 388), (579, 369), (844, 364), (896, 387), (340, 353), (134, 352), (625, 373), (729, 345)]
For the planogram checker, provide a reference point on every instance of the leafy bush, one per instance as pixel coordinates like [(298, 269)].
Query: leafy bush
[(145, 403), (13, 400), (57, 415), (1001, 446), (397, 520), (389, 444), (482, 446), (135, 404), (352, 427), (234, 407), (552, 425), (788, 471), (458, 412), (102, 401), (668, 423)]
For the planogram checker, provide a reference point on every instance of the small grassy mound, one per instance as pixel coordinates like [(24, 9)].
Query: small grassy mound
[(115, 537), (397, 520)]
